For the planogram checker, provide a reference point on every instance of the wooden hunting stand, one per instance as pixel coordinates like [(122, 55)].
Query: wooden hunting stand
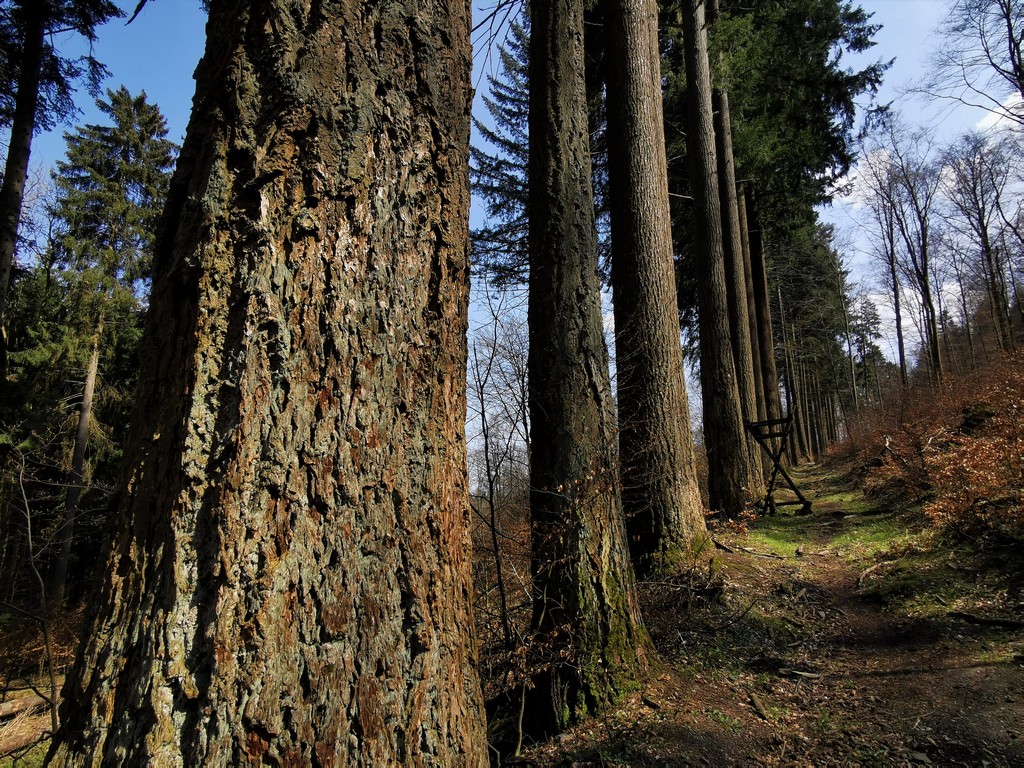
[(765, 432)]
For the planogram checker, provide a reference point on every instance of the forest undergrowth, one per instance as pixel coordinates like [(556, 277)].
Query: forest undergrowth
[(857, 635), (884, 628)]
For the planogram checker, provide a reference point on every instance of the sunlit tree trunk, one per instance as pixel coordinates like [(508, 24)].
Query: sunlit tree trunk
[(586, 619), (76, 478), (661, 499), (724, 435), (290, 580)]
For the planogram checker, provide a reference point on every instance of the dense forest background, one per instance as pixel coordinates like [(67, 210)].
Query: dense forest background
[(248, 401)]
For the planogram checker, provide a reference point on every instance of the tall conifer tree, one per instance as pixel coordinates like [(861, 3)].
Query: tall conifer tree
[(35, 89), (289, 582), (664, 515), (585, 612), (110, 192)]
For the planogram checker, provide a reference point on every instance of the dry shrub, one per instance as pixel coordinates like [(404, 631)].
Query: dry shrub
[(499, 663), (978, 471), (958, 449)]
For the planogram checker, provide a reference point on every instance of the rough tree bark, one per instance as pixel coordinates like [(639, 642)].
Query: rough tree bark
[(724, 436), (290, 582), (586, 619), (12, 192), (660, 496)]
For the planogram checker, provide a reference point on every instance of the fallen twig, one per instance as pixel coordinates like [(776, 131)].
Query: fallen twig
[(872, 569), (798, 673), (986, 620), (763, 554), (759, 707)]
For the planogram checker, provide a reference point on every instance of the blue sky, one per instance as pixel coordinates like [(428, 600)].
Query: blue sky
[(158, 52)]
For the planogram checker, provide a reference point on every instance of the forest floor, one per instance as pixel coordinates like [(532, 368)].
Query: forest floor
[(849, 636)]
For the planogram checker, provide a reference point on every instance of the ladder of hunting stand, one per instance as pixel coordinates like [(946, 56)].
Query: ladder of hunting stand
[(764, 433)]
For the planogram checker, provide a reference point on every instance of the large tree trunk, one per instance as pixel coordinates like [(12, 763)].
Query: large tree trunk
[(724, 435), (586, 620), (76, 478), (18, 150), (290, 581), (660, 496)]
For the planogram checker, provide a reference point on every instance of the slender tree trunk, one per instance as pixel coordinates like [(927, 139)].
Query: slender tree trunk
[(12, 192), (796, 391), (735, 275), (763, 313), (933, 342), (481, 375), (898, 313), (834, 405), (724, 435), (751, 311), (660, 496), (878, 378), (806, 422), (586, 619), (794, 451), (996, 292), (966, 312), (760, 399), (851, 362), (76, 478), (1016, 296), (290, 581)]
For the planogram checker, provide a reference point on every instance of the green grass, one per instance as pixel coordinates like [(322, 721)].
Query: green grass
[(33, 758), (780, 534), (841, 519), (862, 537)]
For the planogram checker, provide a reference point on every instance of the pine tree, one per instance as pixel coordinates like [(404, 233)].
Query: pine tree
[(499, 177), (110, 192), (35, 88), (111, 188), (499, 174)]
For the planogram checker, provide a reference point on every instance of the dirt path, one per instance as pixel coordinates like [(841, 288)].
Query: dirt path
[(788, 653)]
